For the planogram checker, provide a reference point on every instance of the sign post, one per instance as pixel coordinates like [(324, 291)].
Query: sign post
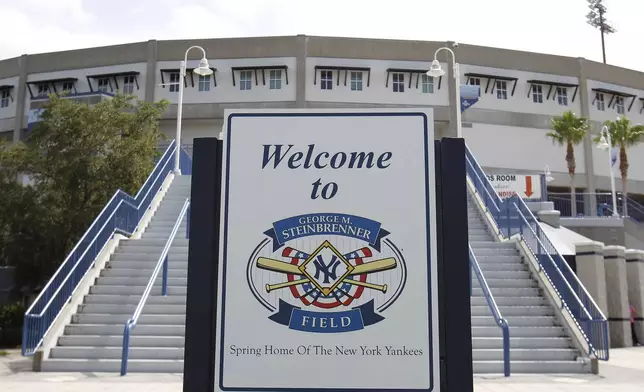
[(328, 267)]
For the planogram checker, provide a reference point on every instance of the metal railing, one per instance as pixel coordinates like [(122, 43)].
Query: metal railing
[(484, 188), (574, 297), (122, 214), (563, 203), (500, 321), (162, 264), (514, 217)]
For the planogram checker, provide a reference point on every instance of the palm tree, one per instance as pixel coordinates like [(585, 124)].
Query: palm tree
[(623, 134), (569, 130)]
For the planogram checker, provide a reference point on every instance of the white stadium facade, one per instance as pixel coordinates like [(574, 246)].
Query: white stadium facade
[(505, 129)]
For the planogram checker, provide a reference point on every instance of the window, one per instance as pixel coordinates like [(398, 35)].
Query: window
[(398, 82), (67, 87), (501, 89), (537, 93), (275, 79), (103, 84), (428, 84), (474, 82), (326, 80), (619, 105), (128, 85), (599, 98), (562, 96), (245, 80), (43, 89), (174, 82), (4, 98), (356, 81), (204, 82)]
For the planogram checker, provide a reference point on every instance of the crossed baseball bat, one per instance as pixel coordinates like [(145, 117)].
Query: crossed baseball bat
[(287, 268)]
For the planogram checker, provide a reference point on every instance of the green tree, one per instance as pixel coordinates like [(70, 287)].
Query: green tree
[(623, 134), (76, 158), (569, 130)]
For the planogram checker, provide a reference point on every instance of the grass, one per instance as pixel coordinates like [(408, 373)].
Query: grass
[(4, 353)]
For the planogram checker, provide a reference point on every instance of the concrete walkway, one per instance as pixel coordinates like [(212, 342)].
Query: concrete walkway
[(623, 373)]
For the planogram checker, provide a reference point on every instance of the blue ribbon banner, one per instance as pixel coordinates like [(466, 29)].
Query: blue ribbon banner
[(290, 229), (326, 322), (469, 96)]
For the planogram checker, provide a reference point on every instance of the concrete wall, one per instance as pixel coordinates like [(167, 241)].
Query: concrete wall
[(505, 134)]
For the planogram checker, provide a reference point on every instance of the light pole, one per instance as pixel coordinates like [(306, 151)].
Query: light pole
[(548, 174), (202, 70), (606, 144), (436, 71)]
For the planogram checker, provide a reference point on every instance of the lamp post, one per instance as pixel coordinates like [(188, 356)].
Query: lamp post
[(548, 175), (436, 71), (606, 144), (202, 70)]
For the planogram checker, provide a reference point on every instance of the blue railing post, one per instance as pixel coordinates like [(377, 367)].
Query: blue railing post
[(164, 286), (506, 349), (188, 223), (507, 216), (126, 348)]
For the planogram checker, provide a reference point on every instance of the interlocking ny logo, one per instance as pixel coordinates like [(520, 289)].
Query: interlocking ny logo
[(329, 270)]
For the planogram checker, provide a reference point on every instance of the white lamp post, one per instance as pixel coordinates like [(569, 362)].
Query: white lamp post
[(203, 69), (606, 144), (436, 71)]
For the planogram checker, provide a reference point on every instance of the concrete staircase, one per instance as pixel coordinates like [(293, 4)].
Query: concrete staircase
[(93, 341), (538, 341)]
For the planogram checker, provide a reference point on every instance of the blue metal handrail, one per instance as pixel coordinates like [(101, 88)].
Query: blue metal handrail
[(122, 214), (162, 263), (574, 297), (515, 217), (500, 321), (484, 188)]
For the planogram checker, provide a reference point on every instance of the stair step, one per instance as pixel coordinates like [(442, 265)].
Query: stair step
[(152, 250), (136, 290), (145, 319), (119, 281), (510, 301), (94, 308), (146, 264), (504, 283), (515, 310), (117, 330), (498, 292), (134, 299), (539, 367), (518, 354), (519, 332), (492, 267), (492, 245), (178, 242), (524, 343), (497, 259), (117, 341), (491, 251), (112, 365), (146, 353), (516, 321), (173, 256), (142, 272), (490, 274)]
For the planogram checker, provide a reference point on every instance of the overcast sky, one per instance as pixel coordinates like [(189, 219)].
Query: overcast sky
[(546, 26)]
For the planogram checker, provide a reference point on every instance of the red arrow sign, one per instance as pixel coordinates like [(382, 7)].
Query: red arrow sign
[(528, 186)]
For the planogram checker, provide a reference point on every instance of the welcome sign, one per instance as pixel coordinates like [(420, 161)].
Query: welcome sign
[(328, 277)]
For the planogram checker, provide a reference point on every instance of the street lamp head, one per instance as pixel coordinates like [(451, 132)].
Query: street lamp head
[(204, 68), (435, 70), (603, 144), (549, 177)]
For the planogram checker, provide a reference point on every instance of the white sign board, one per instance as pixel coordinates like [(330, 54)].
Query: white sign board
[(528, 187), (328, 275)]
